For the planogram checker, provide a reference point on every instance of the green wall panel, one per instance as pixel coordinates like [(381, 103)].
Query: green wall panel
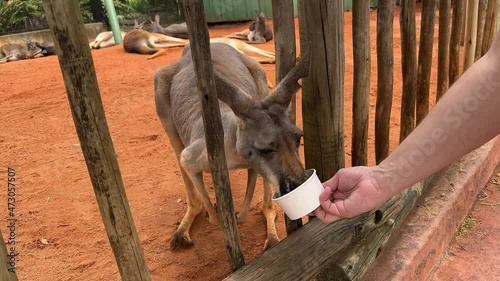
[(242, 10)]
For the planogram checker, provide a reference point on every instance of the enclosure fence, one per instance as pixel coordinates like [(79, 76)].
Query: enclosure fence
[(351, 244)]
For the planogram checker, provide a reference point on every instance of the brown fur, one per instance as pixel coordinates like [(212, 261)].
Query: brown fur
[(13, 52), (144, 42), (259, 136)]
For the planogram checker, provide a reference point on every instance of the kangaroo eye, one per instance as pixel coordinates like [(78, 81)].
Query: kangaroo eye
[(266, 152), (298, 141)]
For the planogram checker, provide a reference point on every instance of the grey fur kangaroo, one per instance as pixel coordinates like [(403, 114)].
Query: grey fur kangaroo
[(175, 30), (259, 136), (258, 32)]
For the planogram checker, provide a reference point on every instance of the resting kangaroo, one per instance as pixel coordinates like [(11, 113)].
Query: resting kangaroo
[(13, 52), (258, 32), (178, 30), (144, 42), (258, 135)]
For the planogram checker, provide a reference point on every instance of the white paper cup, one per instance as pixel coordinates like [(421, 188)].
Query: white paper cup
[(302, 200)]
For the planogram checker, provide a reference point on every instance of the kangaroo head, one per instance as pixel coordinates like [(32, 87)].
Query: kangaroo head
[(259, 24), (138, 25), (32, 48), (266, 138)]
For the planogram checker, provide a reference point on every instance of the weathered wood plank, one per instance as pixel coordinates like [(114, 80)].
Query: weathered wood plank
[(481, 22), (409, 67), (489, 27), (79, 76), (425, 58), (470, 34), (214, 134), (443, 48), (361, 90), (323, 89), (385, 77), (7, 270), (284, 44), (456, 31), (351, 244)]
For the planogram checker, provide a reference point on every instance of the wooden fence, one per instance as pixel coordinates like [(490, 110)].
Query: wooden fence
[(339, 251), (345, 249)]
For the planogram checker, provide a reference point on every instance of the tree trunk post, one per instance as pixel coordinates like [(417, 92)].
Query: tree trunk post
[(284, 43), (385, 77), (323, 89), (7, 267), (202, 61), (409, 67), (456, 31), (443, 48), (425, 58), (470, 34), (79, 76), (361, 91)]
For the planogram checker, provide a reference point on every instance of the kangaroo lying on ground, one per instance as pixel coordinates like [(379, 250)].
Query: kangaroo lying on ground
[(258, 32), (258, 135), (176, 30), (48, 49), (104, 39), (144, 42), (13, 52)]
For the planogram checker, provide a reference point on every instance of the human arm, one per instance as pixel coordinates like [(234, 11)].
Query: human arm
[(466, 117)]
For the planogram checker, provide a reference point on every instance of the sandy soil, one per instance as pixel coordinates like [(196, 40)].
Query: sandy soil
[(60, 235), (473, 253)]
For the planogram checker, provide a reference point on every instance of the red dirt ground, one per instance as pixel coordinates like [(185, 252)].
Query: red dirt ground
[(60, 235), (473, 253)]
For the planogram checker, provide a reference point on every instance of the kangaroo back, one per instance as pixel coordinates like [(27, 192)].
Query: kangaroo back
[(137, 41)]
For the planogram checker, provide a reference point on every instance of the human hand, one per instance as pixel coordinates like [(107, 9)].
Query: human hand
[(350, 192)]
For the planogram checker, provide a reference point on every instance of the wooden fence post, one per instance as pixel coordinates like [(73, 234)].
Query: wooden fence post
[(443, 48), (79, 76), (409, 67), (323, 89), (284, 45), (361, 91), (5, 273), (456, 31), (489, 27), (481, 22), (202, 61), (470, 34), (425, 58), (385, 77)]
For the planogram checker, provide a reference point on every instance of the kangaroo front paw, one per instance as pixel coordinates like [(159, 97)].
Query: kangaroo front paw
[(180, 240)]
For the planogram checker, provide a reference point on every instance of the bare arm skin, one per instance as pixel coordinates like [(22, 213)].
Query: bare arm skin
[(466, 117)]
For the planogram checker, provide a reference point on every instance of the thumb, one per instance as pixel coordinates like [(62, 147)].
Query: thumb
[(326, 194)]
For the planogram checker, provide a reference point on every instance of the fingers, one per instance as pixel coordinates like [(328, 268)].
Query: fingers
[(324, 216), (327, 212)]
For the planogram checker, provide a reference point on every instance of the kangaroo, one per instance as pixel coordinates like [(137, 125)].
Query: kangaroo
[(258, 32), (104, 39), (144, 42), (13, 52), (258, 135), (48, 49), (175, 30)]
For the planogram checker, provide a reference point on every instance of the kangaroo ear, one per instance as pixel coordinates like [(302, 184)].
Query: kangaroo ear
[(285, 90), (157, 18), (261, 15), (239, 101)]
